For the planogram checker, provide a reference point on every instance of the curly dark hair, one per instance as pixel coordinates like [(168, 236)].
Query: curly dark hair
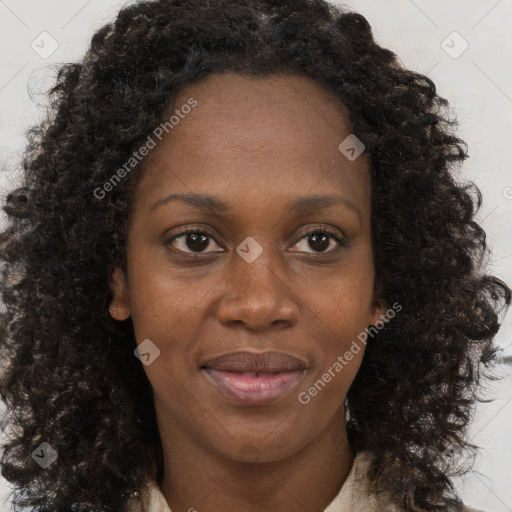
[(69, 374)]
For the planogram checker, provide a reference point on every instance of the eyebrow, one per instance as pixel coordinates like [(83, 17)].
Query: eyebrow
[(301, 205)]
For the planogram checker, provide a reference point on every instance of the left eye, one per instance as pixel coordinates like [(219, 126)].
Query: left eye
[(320, 240)]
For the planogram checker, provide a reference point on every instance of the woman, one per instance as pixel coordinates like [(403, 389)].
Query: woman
[(255, 201)]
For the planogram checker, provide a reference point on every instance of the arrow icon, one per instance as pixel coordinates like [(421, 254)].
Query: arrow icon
[(351, 147), (44, 44), (147, 352), (454, 45), (44, 455), (249, 249)]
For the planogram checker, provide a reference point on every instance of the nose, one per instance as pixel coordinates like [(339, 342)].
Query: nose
[(258, 295)]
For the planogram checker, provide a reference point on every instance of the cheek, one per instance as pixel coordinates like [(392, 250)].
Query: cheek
[(167, 314), (339, 359), (163, 306), (337, 317), (340, 304)]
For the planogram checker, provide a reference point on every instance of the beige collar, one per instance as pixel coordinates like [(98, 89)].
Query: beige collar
[(353, 496)]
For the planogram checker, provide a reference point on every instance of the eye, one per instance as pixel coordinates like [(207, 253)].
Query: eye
[(192, 238), (320, 239)]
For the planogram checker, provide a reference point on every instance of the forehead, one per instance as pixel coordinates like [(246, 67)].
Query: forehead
[(276, 134)]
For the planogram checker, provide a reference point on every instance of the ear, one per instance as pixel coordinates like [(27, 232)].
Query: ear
[(377, 312), (378, 308), (120, 306)]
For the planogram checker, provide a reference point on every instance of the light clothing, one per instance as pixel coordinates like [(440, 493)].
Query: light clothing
[(352, 497)]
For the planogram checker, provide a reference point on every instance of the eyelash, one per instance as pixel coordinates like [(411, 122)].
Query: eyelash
[(324, 230)]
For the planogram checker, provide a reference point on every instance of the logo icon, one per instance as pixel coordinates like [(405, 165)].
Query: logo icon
[(147, 352), (45, 45), (352, 147), (454, 45), (44, 455), (249, 249), (452, 453)]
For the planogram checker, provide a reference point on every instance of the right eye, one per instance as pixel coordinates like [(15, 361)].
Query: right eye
[(193, 239)]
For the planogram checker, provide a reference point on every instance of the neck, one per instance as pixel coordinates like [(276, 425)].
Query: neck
[(197, 478)]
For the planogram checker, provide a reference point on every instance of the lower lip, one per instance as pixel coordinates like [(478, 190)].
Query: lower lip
[(249, 389)]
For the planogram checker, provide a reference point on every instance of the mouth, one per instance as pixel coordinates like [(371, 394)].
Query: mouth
[(254, 388), (249, 378)]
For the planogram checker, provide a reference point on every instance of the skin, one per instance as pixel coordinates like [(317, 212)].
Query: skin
[(257, 144)]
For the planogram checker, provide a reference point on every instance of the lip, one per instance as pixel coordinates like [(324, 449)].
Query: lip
[(250, 378), (261, 362), (253, 388)]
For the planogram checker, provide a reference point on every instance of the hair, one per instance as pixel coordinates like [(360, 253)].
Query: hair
[(70, 377)]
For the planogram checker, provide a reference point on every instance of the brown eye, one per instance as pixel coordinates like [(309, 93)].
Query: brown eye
[(320, 241), (192, 241)]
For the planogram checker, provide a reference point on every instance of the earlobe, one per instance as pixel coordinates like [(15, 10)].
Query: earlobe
[(378, 311), (120, 306), (379, 307)]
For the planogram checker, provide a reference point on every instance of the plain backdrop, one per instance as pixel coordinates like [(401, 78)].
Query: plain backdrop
[(464, 46)]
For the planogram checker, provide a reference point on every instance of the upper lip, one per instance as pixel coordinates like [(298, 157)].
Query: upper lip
[(255, 362)]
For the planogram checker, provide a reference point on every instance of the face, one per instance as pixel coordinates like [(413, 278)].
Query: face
[(262, 270)]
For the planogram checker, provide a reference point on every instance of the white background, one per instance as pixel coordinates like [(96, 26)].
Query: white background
[(478, 83)]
